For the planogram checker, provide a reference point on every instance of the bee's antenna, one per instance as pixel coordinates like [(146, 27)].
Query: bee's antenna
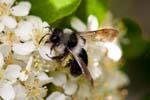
[(50, 28), (43, 37)]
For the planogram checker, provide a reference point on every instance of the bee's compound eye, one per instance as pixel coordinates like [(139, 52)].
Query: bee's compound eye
[(55, 39)]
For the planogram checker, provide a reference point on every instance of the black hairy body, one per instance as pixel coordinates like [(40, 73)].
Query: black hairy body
[(73, 43)]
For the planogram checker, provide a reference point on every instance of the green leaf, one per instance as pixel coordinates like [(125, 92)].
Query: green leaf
[(136, 45), (99, 8), (52, 10)]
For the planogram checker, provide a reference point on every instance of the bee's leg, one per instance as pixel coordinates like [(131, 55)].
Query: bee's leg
[(84, 40), (52, 47), (57, 57)]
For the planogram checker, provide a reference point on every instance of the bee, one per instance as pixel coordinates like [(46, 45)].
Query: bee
[(73, 44)]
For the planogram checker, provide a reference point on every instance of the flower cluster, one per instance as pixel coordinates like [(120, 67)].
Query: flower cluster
[(27, 73)]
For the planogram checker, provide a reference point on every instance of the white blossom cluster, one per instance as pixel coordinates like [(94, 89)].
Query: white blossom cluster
[(27, 73)]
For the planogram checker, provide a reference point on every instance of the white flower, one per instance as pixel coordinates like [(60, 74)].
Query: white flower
[(78, 25), (33, 81), (20, 91), (56, 96), (7, 92), (1, 27), (8, 77), (59, 78), (8, 2), (70, 88), (116, 79), (95, 70), (12, 72), (92, 23), (114, 51), (23, 48), (21, 9), (5, 49), (1, 60), (9, 21), (84, 91), (44, 79), (24, 30), (23, 76), (25, 73), (34, 88), (36, 22)]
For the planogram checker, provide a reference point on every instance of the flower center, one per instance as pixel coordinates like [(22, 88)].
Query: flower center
[(34, 90), (4, 9), (9, 59)]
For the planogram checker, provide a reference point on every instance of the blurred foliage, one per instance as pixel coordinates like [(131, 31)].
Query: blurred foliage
[(136, 44), (59, 12), (146, 97), (52, 10), (137, 58), (136, 53), (98, 8)]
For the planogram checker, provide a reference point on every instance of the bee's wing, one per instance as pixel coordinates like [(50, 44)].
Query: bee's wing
[(100, 35), (83, 67)]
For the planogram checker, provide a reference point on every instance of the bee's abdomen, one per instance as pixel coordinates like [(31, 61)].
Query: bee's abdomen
[(75, 69)]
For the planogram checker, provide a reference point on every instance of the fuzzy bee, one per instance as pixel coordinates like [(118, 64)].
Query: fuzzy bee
[(73, 44)]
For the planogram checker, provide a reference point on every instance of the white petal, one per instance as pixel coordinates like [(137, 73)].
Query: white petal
[(56, 96), (23, 76), (92, 23), (1, 60), (8, 2), (12, 72), (42, 76), (114, 52), (29, 64), (22, 9), (25, 4), (7, 92), (5, 49), (9, 21), (70, 88), (117, 79), (44, 51), (45, 24), (43, 92), (95, 71), (1, 27), (84, 90), (44, 79), (24, 48), (24, 30), (78, 25), (35, 21), (59, 79), (21, 92)]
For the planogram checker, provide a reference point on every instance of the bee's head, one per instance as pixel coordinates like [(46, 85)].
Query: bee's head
[(56, 35)]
